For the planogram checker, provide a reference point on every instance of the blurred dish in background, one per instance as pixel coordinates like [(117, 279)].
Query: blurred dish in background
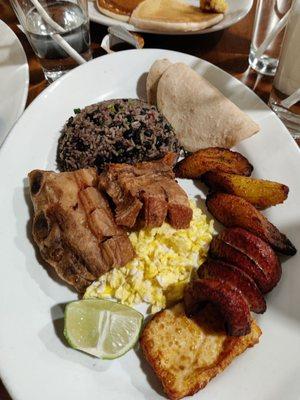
[(172, 16), (268, 31), (236, 11), (117, 9), (58, 32), (285, 95), (14, 79)]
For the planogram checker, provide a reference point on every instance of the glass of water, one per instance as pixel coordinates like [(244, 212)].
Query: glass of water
[(71, 26), (268, 14), (285, 94)]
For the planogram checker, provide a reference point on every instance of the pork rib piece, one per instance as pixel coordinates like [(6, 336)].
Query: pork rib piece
[(146, 193), (74, 227)]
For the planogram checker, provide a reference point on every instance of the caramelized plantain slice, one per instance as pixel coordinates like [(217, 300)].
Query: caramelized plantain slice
[(233, 211), (249, 253), (229, 300), (260, 193), (235, 277), (213, 159)]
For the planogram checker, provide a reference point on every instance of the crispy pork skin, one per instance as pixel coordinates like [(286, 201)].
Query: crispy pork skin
[(146, 194), (74, 227), (81, 218)]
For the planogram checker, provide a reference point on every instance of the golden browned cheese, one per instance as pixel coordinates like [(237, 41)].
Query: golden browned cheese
[(187, 353), (123, 7)]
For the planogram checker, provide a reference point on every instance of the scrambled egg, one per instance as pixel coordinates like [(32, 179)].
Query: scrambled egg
[(166, 260)]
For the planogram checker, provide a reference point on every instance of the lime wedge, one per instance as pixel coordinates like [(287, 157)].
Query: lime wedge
[(103, 328)]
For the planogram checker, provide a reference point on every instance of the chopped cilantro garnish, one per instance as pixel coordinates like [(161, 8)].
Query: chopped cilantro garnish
[(77, 110), (111, 108)]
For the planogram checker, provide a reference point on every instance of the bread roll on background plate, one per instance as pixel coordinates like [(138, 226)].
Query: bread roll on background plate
[(172, 16), (199, 113)]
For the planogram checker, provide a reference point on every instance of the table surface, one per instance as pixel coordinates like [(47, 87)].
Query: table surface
[(227, 49)]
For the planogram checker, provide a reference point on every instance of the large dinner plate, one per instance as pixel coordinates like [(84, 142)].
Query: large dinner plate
[(35, 362), (236, 11), (14, 79)]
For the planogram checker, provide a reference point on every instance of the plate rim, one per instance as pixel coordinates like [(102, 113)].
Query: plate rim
[(115, 22), (25, 65)]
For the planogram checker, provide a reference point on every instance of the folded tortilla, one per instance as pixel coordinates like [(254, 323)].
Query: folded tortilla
[(199, 113), (155, 73)]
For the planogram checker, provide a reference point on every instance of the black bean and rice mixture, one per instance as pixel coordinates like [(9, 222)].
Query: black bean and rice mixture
[(118, 131)]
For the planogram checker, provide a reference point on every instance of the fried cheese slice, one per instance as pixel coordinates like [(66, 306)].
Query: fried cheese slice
[(187, 353)]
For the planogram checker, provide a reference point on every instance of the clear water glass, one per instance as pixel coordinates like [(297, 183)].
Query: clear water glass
[(72, 16), (287, 78), (268, 14)]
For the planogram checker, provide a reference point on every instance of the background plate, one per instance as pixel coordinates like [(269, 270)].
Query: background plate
[(35, 363), (14, 79), (237, 11)]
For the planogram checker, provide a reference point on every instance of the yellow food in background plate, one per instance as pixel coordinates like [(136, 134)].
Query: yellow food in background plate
[(166, 259), (219, 6)]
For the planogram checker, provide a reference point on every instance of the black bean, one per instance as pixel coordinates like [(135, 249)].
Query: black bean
[(137, 137), (167, 128), (147, 145), (99, 160), (148, 133), (128, 134), (69, 122), (81, 146), (159, 141), (133, 152), (119, 145)]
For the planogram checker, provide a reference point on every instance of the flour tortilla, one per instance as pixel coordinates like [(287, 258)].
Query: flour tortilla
[(200, 115), (172, 16), (154, 75)]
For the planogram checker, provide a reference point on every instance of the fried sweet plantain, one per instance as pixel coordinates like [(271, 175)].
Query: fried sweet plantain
[(229, 300), (237, 278), (249, 253), (213, 159), (233, 211), (260, 193)]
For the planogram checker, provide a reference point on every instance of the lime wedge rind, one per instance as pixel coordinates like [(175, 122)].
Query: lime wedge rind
[(102, 328)]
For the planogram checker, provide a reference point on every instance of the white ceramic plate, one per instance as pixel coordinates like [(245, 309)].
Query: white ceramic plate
[(14, 79), (35, 363), (237, 10)]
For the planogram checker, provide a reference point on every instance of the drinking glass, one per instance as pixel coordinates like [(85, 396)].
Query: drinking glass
[(71, 16), (268, 14), (287, 78)]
